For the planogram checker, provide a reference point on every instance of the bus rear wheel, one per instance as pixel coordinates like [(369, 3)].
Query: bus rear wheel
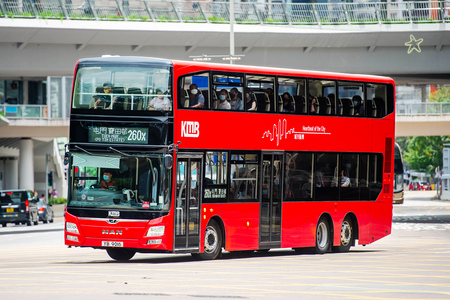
[(322, 236), (213, 242), (120, 254), (347, 236)]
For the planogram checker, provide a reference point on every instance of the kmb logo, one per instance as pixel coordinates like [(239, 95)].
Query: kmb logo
[(190, 129)]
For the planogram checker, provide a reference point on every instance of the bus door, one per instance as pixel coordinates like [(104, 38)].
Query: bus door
[(271, 197), (188, 202)]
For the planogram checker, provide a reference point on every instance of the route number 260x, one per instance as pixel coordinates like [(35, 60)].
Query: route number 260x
[(136, 135)]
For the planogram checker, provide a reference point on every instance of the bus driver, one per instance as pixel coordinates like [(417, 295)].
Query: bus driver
[(107, 181)]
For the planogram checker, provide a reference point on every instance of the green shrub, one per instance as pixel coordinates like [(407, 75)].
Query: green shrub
[(57, 201)]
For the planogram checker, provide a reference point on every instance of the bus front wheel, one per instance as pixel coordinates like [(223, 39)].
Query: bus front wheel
[(322, 236), (120, 254), (213, 242)]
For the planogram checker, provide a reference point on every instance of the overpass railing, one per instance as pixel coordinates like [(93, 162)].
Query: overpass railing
[(423, 109), (218, 12), (25, 111), (42, 111)]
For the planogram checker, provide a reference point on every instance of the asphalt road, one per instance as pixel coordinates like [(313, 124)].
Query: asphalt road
[(412, 263)]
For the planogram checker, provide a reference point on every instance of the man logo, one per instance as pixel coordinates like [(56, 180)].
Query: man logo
[(112, 232), (190, 129)]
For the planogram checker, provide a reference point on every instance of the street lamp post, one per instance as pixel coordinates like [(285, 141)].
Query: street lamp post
[(231, 30)]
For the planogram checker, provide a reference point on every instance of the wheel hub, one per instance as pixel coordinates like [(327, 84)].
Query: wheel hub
[(211, 240), (346, 233)]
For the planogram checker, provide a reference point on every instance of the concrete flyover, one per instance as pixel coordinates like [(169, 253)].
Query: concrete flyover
[(36, 128), (422, 119), (341, 38)]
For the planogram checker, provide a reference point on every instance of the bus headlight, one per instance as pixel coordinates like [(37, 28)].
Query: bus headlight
[(156, 231), (72, 238), (72, 227)]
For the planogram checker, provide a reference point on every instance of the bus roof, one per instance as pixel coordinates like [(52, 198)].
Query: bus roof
[(285, 71), (233, 68), (114, 59)]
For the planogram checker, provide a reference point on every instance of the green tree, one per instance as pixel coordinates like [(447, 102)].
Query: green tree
[(423, 153), (441, 95), (403, 143)]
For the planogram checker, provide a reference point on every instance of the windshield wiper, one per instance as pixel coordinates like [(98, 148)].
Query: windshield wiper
[(85, 151), (120, 152)]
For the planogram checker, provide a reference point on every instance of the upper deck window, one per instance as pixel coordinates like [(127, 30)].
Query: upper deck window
[(260, 90), (123, 88), (322, 97), (194, 91), (351, 99), (227, 91), (292, 95), (377, 106)]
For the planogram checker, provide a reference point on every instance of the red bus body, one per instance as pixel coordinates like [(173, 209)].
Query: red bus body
[(271, 132)]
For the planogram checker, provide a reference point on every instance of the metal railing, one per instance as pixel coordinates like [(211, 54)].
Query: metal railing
[(25, 111), (218, 12), (423, 109), (407, 110)]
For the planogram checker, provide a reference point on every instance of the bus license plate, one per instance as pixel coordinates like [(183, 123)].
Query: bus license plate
[(112, 244)]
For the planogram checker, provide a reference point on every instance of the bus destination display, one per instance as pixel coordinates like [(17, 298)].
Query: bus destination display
[(118, 135)]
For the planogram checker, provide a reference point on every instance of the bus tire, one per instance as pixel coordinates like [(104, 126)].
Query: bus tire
[(347, 236), (120, 254), (323, 236), (213, 242)]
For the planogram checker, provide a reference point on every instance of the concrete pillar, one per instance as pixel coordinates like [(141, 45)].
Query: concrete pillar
[(11, 174), (424, 93), (25, 99), (26, 167)]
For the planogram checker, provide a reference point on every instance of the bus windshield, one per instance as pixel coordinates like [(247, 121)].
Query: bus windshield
[(123, 88), (117, 182)]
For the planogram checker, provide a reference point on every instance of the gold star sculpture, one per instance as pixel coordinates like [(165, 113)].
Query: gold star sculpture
[(413, 44)]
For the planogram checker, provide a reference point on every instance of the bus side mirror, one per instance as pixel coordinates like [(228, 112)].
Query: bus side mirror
[(168, 161), (66, 158)]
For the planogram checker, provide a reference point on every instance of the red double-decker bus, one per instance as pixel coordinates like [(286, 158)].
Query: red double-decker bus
[(182, 157)]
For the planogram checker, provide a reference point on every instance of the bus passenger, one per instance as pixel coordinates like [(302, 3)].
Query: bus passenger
[(196, 99), (288, 106), (236, 101), (104, 101), (357, 103), (223, 103), (345, 181), (107, 181), (159, 102), (313, 102), (250, 101)]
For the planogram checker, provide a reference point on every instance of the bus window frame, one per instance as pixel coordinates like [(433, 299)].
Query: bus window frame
[(275, 78), (180, 87), (317, 97), (258, 154), (228, 74), (363, 96), (304, 96), (389, 100), (136, 113)]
